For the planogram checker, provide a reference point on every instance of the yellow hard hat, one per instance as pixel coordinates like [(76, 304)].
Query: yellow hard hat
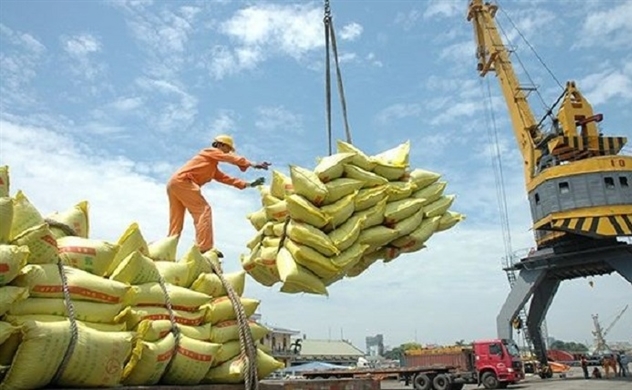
[(226, 140)]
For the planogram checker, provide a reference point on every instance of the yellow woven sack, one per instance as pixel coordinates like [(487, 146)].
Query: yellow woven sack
[(349, 257), (154, 330), (185, 271), (164, 249), (221, 309), (368, 179), (347, 234), (21, 319), (390, 172), (448, 220), (339, 188), (309, 258), (281, 185), (191, 362), (400, 210), (339, 211), (96, 361), (418, 236), (398, 190), (362, 265), (75, 217), (408, 225), (9, 295), (94, 256), (149, 361), (307, 184), (308, 235), (137, 269), (439, 206), (332, 167), (277, 212), (296, 275), (6, 330), (4, 181), (12, 259), (103, 313), (377, 236), (258, 218), (44, 281), (42, 245), (264, 273), (229, 350), (269, 200), (413, 248), (369, 197), (430, 193), (6, 218), (25, 215), (394, 157), (151, 294), (232, 371), (300, 209), (373, 216), (256, 240), (269, 243), (131, 240), (360, 159), (140, 313), (226, 331), (210, 284), (274, 229), (422, 178)]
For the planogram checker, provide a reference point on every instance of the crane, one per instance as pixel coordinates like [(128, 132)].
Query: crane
[(577, 181), (600, 334)]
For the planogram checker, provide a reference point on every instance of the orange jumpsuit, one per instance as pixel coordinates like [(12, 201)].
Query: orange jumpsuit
[(184, 191)]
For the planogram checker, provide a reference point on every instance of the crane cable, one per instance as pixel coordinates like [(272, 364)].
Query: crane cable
[(330, 41)]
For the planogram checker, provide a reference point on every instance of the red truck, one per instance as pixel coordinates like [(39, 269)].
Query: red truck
[(495, 364)]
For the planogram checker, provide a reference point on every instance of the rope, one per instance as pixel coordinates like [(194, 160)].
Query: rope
[(327, 23), (74, 330), (172, 318), (246, 342), (341, 90), (61, 226), (283, 234), (330, 41)]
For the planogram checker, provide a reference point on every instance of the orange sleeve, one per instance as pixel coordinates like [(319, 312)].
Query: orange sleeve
[(230, 158), (231, 181)]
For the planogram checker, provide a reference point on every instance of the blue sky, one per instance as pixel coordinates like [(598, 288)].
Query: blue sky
[(103, 100)]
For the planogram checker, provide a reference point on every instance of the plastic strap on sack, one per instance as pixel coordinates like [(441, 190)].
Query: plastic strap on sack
[(172, 318), (61, 226), (74, 330), (283, 234), (246, 343)]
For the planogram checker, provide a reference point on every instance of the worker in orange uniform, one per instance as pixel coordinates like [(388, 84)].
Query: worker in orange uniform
[(184, 188)]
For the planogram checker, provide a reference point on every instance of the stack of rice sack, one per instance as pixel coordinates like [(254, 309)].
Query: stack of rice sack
[(318, 226), (120, 293)]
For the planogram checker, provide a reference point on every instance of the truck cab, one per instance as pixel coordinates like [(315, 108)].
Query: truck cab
[(497, 363)]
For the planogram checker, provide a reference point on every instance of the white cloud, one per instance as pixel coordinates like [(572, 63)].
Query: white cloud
[(223, 122), (601, 87), (351, 31), (81, 49), (175, 109), (408, 19), (607, 27), (278, 119), (125, 104), (372, 59), (444, 8), (398, 111)]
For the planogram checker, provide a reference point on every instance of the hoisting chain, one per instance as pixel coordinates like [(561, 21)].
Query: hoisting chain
[(330, 40)]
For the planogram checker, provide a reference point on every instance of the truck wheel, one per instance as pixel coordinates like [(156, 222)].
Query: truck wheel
[(422, 382), (441, 382), (489, 380)]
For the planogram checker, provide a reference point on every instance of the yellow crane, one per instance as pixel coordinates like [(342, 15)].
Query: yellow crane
[(578, 185)]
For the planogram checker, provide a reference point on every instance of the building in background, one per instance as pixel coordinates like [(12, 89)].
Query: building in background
[(278, 342), (375, 345)]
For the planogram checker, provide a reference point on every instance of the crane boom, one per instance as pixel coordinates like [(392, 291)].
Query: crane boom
[(577, 181)]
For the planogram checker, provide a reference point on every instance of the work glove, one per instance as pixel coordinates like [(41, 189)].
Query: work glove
[(264, 165), (257, 182)]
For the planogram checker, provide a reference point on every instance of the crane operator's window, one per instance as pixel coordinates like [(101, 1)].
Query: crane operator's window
[(609, 182), (537, 198), (564, 188), (623, 181)]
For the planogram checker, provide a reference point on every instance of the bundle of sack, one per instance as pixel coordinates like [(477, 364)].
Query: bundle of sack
[(316, 227), (82, 312)]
